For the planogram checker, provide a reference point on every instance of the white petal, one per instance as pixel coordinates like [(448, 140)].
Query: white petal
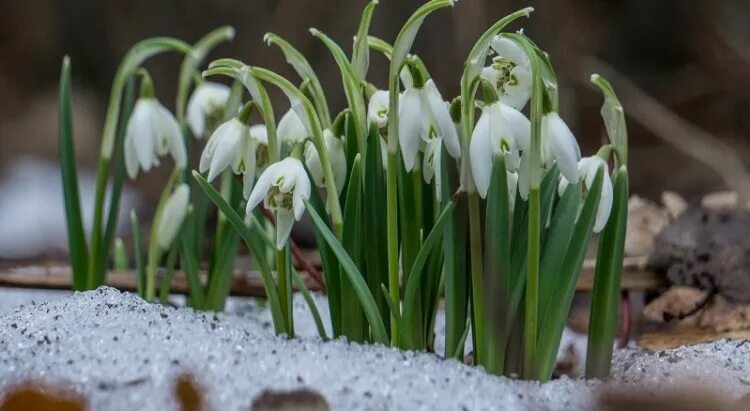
[(481, 154), (259, 133), (291, 128), (509, 50), (442, 116), (284, 223), (170, 131), (562, 185), (519, 126), (287, 174), (431, 155), (312, 161), (517, 90), (562, 145), (227, 146), (512, 188), (261, 187), (208, 151), (377, 108), (205, 100), (142, 127), (337, 158), (605, 204), (301, 193), (131, 157), (172, 216), (410, 126)]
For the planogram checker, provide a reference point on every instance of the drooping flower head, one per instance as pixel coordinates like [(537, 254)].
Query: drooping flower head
[(283, 187), (509, 73), (231, 145), (424, 116), (587, 169), (377, 109), (151, 133), (206, 107)]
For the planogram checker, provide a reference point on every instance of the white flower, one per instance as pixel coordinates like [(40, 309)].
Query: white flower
[(587, 169), (509, 73), (152, 132), (501, 130), (291, 129), (206, 104), (336, 156), (283, 187), (559, 144), (174, 213), (230, 145), (377, 109), (424, 116)]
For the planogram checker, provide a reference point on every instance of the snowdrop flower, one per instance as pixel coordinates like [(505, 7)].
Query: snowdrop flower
[(509, 73), (152, 132), (230, 146), (206, 107), (377, 109), (501, 130), (424, 116), (283, 187), (291, 129), (336, 156), (174, 213), (559, 144), (587, 169)]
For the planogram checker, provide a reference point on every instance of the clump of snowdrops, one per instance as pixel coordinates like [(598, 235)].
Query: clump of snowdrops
[(484, 200)]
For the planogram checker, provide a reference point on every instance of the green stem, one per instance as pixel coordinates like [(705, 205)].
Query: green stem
[(477, 277), (392, 233), (285, 289), (532, 284)]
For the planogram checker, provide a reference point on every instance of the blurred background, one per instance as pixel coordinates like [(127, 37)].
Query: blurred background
[(682, 69)]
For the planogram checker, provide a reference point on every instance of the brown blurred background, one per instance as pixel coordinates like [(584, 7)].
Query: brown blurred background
[(690, 58)]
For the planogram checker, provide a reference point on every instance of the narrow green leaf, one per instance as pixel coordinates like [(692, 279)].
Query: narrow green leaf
[(454, 263), (76, 237), (393, 306), (497, 264), (614, 119), (252, 243), (606, 294), (121, 255), (331, 270), (417, 268), (380, 45), (190, 266), (168, 273), (361, 52), (459, 353), (559, 306), (306, 72), (360, 287), (352, 86), (352, 316)]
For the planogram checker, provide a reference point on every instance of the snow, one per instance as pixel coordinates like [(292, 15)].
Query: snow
[(123, 353)]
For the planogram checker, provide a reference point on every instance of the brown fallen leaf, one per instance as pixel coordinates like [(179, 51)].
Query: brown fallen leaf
[(34, 397), (189, 397), (676, 335)]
